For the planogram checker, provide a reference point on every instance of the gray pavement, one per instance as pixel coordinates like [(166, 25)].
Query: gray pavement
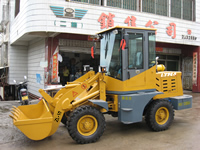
[(183, 134)]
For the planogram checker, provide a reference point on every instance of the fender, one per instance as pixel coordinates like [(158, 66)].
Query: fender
[(101, 103), (131, 106)]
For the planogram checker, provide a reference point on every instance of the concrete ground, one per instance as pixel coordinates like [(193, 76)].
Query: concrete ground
[(184, 134)]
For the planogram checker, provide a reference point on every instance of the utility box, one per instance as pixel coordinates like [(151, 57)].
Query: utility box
[(181, 102)]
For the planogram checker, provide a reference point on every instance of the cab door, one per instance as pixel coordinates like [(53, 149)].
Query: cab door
[(135, 58)]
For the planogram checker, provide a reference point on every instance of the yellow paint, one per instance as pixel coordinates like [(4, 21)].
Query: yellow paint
[(170, 83), (87, 125), (142, 81), (162, 115), (187, 103), (180, 104), (126, 27), (160, 67), (32, 119)]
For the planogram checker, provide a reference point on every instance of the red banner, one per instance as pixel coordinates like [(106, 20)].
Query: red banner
[(55, 68), (159, 49)]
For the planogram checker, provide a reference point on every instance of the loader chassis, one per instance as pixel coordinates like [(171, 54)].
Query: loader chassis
[(132, 86)]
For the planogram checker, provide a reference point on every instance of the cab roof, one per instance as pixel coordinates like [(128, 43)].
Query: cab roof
[(126, 27)]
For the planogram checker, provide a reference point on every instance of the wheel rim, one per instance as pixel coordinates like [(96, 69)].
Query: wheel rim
[(87, 125), (162, 115)]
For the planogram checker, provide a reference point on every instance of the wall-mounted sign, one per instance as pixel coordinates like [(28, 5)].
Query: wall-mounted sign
[(71, 13), (189, 36), (195, 60), (159, 49), (55, 66)]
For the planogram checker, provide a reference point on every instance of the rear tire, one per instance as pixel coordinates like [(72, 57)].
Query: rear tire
[(159, 115), (86, 124)]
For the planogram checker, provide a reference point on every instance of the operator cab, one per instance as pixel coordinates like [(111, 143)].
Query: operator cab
[(127, 51)]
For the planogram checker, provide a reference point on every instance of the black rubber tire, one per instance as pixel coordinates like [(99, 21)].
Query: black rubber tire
[(151, 112), (64, 119), (73, 121)]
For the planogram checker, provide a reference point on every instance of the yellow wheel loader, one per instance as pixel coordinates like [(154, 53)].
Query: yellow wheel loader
[(129, 85)]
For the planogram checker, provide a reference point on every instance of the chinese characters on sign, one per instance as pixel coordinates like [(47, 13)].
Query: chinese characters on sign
[(195, 68), (130, 21), (106, 21), (149, 24), (171, 30), (189, 36), (189, 32), (55, 68)]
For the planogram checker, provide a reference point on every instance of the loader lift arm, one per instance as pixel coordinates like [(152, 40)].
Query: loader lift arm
[(75, 94)]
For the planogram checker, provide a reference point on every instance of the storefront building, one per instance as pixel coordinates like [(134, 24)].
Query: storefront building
[(48, 35)]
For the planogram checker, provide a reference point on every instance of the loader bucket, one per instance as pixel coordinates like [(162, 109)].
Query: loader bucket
[(35, 121)]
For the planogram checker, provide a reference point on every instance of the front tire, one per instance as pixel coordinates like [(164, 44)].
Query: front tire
[(86, 124), (159, 115)]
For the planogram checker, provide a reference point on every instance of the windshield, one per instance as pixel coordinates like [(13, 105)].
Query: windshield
[(110, 55)]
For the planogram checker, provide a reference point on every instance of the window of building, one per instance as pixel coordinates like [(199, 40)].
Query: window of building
[(97, 2), (114, 3), (159, 7), (171, 62), (162, 7), (148, 6), (130, 4), (183, 9), (188, 9), (176, 8), (126, 4), (17, 7)]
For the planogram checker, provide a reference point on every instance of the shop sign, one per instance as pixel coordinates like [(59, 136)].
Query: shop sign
[(189, 36), (72, 13), (159, 49), (92, 38), (195, 60), (107, 20), (171, 30)]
